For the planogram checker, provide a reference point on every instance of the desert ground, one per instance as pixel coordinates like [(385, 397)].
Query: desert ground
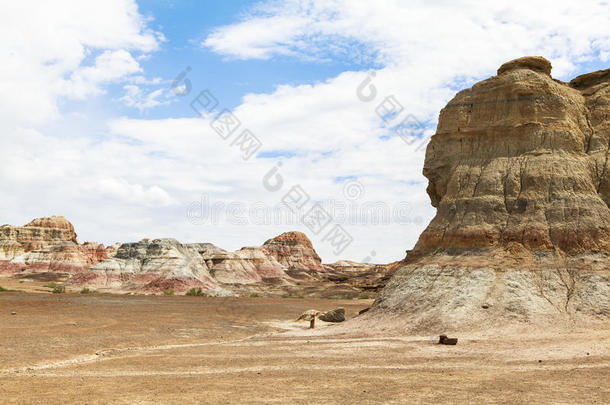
[(102, 348)]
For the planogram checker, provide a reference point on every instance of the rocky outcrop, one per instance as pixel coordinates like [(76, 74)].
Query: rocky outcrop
[(282, 259), (334, 315), (286, 265), (283, 265), (249, 265), (46, 245), (366, 277), (518, 171), (64, 257), (155, 265), (112, 249), (39, 233), (521, 158), (294, 251)]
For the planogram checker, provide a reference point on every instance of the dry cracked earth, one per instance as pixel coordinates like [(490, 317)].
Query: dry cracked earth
[(71, 348)]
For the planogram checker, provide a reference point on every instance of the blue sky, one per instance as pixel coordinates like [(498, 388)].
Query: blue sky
[(92, 130), (186, 24)]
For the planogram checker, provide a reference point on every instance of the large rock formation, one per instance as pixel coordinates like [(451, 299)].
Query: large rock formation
[(162, 264), (155, 265), (366, 277), (46, 245), (294, 251), (39, 233), (284, 265), (519, 173), (287, 256)]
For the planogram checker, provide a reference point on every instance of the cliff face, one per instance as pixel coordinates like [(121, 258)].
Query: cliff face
[(518, 171), (522, 158)]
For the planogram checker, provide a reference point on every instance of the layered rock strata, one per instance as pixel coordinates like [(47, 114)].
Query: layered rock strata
[(47, 244), (286, 265), (519, 173), (156, 265)]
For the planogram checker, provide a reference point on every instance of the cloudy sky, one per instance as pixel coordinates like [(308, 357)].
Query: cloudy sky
[(98, 124)]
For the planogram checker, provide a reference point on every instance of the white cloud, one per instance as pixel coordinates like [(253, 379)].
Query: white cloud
[(335, 136), (426, 52), (138, 79), (449, 38), (237, 41), (51, 52), (138, 194), (138, 98), (110, 66), (46, 47)]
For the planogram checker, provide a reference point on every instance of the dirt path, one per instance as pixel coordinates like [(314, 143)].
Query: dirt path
[(108, 354)]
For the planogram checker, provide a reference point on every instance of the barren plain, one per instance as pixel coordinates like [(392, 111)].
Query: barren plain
[(103, 348)]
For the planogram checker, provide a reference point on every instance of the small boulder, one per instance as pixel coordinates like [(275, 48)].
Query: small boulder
[(336, 315), (444, 340), (363, 311)]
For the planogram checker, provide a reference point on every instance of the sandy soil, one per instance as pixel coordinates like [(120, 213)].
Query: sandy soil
[(71, 348)]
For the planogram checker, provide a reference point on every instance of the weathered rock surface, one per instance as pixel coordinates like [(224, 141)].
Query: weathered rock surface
[(285, 265), (521, 158), (308, 315), (46, 244), (294, 251), (41, 232), (366, 277), (518, 171), (334, 315), (280, 260), (155, 265), (64, 257)]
